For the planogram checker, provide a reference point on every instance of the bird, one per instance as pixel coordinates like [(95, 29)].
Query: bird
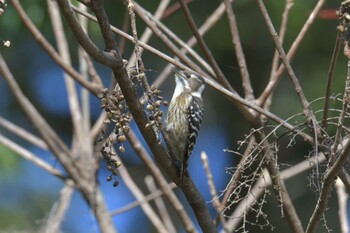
[(184, 116)]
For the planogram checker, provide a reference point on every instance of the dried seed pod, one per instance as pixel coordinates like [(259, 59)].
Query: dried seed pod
[(113, 160), (114, 111), (105, 91), (160, 97), (151, 117), (112, 153), (121, 138), (117, 164), (153, 88), (111, 139), (115, 184), (106, 121), (149, 107), (122, 149), (120, 97), (109, 178), (157, 103), (100, 95), (126, 128), (142, 101), (165, 103)]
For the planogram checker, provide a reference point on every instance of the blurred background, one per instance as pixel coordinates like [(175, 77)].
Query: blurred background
[(27, 193)]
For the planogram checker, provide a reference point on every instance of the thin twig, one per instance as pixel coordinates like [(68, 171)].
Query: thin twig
[(342, 206), (291, 52), (60, 208), (54, 143), (51, 51), (177, 39), (163, 212), (282, 32), (31, 157), (15, 129), (310, 117), (265, 182), (276, 57), (208, 24), (330, 79), (247, 87), (166, 40), (137, 203), (173, 200), (336, 162), (343, 112), (214, 196), (148, 32), (80, 142), (146, 207), (218, 73)]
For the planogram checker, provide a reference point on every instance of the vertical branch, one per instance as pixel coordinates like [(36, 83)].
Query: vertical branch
[(274, 80), (266, 100), (219, 75), (345, 106), (146, 207), (342, 206), (160, 179), (247, 87), (208, 24), (148, 32), (336, 161), (81, 144), (60, 208), (164, 214), (85, 68), (330, 80), (310, 117), (214, 196), (282, 32)]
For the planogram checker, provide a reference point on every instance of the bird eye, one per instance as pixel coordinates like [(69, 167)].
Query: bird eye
[(187, 75)]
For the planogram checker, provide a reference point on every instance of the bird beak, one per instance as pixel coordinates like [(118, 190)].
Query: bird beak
[(176, 70)]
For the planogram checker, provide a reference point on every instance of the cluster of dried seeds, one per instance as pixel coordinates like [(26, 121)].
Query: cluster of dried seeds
[(344, 15), (151, 99), (2, 7), (154, 113), (118, 116)]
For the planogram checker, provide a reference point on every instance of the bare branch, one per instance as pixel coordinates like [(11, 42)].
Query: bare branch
[(31, 157), (146, 207), (164, 214), (342, 205), (216, 203), (59, 209), (13, 128), (274, 80), (51, 51), (247, 87), (219, 75)]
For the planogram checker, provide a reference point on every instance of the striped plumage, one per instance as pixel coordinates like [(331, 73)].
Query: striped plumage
[(184, 116)]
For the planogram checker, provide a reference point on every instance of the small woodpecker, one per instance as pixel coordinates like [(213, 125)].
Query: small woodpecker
[(184, 116)]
